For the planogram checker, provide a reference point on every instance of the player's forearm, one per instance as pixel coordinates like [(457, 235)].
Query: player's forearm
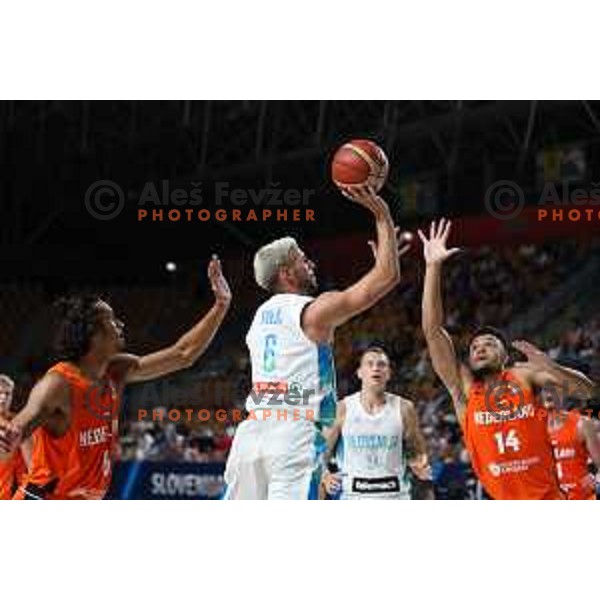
[(432, 308), (331, 435), (418, 446), (192, 344), (50, 397), (574, 381), (28, 420), (381, 279), (38, 411), (387, 264)]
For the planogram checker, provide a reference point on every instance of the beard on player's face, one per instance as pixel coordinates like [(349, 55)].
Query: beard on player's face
[(309, 284), (304, 270), (300, 276), (485, 371)]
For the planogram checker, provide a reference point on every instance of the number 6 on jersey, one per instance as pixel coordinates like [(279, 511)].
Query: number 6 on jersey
[(269, 353)]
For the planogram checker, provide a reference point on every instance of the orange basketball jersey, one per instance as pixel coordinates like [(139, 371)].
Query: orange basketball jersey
[(508, 441), (12, 472), (77, 465), (571, 458)]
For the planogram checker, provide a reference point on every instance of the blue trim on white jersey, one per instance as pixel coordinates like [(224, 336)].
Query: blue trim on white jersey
[(327, 384)]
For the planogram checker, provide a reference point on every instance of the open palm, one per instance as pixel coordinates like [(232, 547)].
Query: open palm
[(434, 247), (218, 283)]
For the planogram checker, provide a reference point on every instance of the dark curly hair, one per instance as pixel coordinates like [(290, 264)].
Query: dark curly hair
[(494, 332), (77, 319)]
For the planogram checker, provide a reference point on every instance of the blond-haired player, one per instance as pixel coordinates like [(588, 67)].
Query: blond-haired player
[(274, 454)]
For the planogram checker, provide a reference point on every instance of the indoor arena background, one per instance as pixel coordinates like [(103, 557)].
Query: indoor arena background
[(535, 275)]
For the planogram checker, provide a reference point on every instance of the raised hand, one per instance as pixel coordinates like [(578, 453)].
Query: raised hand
[(536, 359), (403, 239), (366, 196), (434, 247), (218, 283)]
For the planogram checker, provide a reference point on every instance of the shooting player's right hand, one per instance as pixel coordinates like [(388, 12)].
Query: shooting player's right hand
[(367, 197)]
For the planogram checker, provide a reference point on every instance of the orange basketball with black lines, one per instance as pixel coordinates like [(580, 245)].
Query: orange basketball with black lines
[(360, 162)]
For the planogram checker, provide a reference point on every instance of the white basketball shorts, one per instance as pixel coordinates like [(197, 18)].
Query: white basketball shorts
[(273, 460)]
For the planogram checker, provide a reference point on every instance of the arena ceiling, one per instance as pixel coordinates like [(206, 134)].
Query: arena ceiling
[(51, 152)]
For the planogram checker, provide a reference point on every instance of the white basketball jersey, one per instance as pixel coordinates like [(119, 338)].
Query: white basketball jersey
[(372, 463), (289, 371)]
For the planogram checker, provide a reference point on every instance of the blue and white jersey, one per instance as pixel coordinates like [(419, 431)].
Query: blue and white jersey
[(372, 461), (289, 371)]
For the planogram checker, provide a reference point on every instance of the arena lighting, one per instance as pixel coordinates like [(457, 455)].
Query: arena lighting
[(171, 267)]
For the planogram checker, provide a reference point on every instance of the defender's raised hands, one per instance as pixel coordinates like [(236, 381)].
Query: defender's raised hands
[(434, 247), (218, 283), (403, 240)]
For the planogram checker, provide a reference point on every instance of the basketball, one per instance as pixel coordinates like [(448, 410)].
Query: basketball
[(360, 162)]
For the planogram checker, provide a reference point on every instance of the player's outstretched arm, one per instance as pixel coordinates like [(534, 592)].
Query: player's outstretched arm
[(439, 343), (190, 346), (49, 397), (332, 309), (543, 372)]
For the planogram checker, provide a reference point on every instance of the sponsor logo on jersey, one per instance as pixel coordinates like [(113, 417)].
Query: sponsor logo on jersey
[(270, 387), (512, 466), (379, 485)]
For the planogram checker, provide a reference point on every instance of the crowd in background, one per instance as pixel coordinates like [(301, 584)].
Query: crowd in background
[(484, 286), (481, 286), (173, 442)]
